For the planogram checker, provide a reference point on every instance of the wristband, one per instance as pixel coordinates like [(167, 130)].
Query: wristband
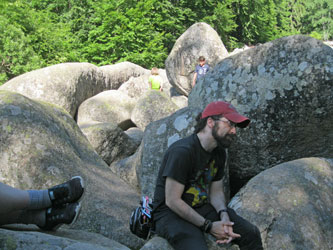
[(221, 211), (207, 226)]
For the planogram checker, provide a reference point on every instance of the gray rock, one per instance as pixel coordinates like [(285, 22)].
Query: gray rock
[(117, 74), (110, 106), (284, 86), (291, 204), (10, 240), (167, 87), (329, 43), (199, 40), (41, 146), (66, 85), (135, 87), (126, 168), (92, 238), (152, 106), (135, 134), (110, 142), (29, 237), (180, 101)]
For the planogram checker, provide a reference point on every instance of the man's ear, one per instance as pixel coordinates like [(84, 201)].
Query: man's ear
[(210, 122)]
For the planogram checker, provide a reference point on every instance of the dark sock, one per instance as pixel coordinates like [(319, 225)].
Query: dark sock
[(39, 199)]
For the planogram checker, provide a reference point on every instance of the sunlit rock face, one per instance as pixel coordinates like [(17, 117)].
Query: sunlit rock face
[(198, 40), (291, 204), (69, 84), (152, 106), (66, 85), (286, 88), (116, 74), (111, 106)]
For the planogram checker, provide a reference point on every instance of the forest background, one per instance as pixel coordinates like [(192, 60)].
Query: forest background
[(40, 33)]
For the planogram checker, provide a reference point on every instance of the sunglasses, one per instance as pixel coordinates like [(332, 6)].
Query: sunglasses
[(230, 123)]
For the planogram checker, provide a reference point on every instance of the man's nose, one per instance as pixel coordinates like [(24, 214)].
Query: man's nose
[(233, 130)]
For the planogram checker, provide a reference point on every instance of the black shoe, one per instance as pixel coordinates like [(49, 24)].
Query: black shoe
[(55, 217), (68, 192)]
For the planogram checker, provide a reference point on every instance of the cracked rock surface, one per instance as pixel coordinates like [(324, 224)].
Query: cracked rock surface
[(285, 88), (291, 204)]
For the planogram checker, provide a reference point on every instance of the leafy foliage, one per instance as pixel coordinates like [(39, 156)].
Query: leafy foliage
[(318, 18)]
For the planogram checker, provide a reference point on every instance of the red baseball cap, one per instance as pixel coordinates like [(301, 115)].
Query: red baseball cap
[(226, 110)]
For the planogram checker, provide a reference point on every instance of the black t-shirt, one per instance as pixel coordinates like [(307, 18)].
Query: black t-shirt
[(188, 163)]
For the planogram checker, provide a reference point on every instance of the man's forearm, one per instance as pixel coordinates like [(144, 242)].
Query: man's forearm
[(217, 197), (186, 212)]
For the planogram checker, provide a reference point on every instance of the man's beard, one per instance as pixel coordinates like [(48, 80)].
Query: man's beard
[(222, 141)]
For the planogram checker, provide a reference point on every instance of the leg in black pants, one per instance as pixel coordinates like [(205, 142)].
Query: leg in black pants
[(184, 235), (181, 234), (250, 235)]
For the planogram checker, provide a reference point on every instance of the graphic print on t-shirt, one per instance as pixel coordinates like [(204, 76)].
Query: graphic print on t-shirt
[(198, 190)]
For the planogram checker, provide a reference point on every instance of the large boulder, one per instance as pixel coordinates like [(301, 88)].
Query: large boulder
[(110, 142), (41, 146), (285, 87), (31, 239), (158, 136), (126, 168), (181, 101), (135, 134), (135, 87), (152, 106), (291, 204), (110, 106), (66, 85), (198, 40), (167, 87), (117, 74)]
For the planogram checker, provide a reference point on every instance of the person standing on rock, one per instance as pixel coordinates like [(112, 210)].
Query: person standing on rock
[(200, 70), (48, 209), (189, 199), (155, 80)]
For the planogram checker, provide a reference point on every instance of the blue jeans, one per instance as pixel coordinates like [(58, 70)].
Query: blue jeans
[(183, 235)]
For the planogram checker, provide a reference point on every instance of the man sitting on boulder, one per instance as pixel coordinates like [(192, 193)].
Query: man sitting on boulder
[(189, 198), (48, 209)]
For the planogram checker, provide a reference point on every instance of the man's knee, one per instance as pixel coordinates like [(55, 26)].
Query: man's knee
[(255, 233), (185, 234), (181, 234), (187, 241), (251, 238)]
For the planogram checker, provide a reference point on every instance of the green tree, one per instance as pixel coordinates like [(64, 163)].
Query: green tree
[(138, 31), (32, 39), (223, 21), (16, 53), (318, 17), (257, 21)]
